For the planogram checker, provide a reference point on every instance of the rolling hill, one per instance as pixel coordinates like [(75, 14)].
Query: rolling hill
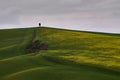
[(71, 55)]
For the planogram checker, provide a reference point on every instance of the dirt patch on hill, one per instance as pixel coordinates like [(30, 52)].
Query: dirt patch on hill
[(36, 46)]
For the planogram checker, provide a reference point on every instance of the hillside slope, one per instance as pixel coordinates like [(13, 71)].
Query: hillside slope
[(71, 55)]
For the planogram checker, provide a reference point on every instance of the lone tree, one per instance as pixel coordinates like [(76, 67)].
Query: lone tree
[(39, 24)]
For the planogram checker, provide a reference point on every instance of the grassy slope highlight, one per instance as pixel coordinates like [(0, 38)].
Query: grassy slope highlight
[(82, 47), (66, 48)]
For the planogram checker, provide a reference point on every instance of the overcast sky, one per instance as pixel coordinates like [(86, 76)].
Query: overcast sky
[(93, 15)]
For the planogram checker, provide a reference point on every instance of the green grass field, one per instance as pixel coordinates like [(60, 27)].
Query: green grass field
[(72, 55)]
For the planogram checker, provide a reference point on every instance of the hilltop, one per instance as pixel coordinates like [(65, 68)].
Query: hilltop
[(71, 55)]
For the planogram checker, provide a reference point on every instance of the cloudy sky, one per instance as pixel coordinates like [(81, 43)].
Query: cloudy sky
[(92, 15)]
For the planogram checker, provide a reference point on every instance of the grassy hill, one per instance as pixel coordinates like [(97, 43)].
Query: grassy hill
[(72, 55)]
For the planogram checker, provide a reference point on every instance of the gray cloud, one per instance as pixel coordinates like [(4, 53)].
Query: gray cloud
[(60, 6), (11, 11)]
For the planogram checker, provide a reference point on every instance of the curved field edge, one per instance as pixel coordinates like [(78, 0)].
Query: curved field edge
[(59, 73), (32, 66)]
